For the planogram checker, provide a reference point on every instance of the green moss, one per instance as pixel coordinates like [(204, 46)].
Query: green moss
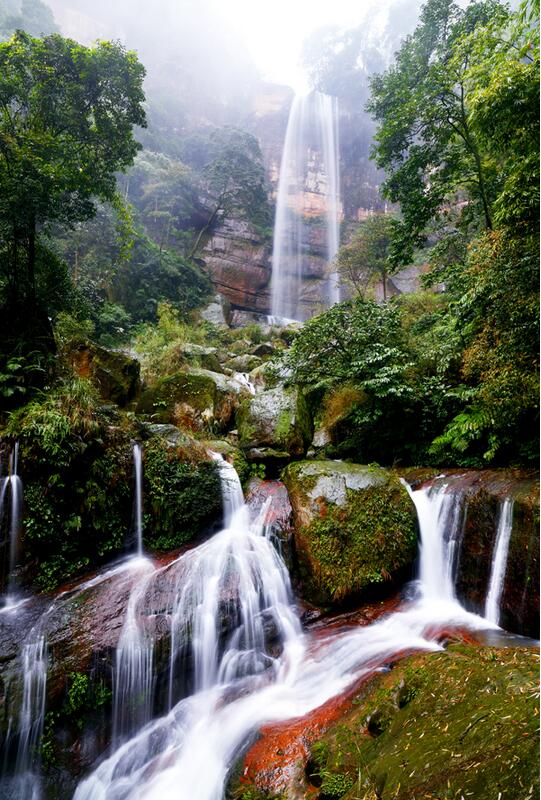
[(355, 526), (462, 723), (182, 495), (159, 400)]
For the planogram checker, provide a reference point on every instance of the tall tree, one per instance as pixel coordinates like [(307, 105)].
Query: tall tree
[(367, 254), (426, 141), (67, 115)]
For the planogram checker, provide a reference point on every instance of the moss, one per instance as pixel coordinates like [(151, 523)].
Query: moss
[(159, 400), (458, 723), (182, 495), (115, 375), (355, 526)]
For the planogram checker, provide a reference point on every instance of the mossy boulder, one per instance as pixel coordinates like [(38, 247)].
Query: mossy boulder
[(355, 528), (115, 375), (243, 363), (459, 723), (198, 356), (196, 399), (278, 420)]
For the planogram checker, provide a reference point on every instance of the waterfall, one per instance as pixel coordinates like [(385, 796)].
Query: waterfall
[(138, 501), (441, 515), (499, 561), (133, 678), (312, 128), (32, 715), (14, 483)]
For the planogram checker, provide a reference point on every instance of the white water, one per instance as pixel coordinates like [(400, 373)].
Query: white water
[(440, 515), (16, 498), (243, 679), (312, 129), (138, 503), (499, 562), (133, 680)]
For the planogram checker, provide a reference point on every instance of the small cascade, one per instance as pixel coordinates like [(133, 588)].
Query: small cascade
[(138, 498), (133, 679), (20, 775), (441, 517), (244, 380), (13, 481), (499, 561), (307, 191)]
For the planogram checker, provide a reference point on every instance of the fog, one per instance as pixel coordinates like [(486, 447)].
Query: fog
[(238, 41)]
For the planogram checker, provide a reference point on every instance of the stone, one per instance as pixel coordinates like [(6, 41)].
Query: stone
[(278, 419), (218, 312), (204, 357), (243, 363), (195, 399), (115, 374), (355, 528)]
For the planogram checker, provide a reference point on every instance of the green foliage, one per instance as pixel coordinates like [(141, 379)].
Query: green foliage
[(182, 494), (367, 254)]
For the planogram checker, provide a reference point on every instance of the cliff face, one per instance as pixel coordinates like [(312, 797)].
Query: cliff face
[(238, 256)]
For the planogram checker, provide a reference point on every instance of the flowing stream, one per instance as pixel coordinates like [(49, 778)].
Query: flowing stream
[(312, 129), (260, 666)]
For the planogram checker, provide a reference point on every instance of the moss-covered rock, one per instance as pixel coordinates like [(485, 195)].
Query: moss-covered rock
[(454, 724), (277, 419), (355, 527), (196, 399), (243, 363), (115, 375), (182, 493), (462, 723)]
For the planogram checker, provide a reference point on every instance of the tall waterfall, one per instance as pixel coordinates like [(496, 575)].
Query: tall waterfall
[(138, 497), (312, 129), (14, 483)]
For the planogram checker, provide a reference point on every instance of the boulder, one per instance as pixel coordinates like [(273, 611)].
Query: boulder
[(196, 399), (116, 375), (243, 363), (355, 528), (218, 312), (198, 356), (278, 419), (437, 725)]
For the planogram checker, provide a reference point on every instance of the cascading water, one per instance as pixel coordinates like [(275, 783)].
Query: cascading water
[(133, 679), (441, 516), (499, 562), (234, 623), (312, 128), (14, 483), (138, 502)]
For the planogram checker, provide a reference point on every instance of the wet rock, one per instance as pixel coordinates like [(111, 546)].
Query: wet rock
[(278, 419), (197, 356), (483, 493), (194, 398), (355, 528), (425, 729), (115, 374)]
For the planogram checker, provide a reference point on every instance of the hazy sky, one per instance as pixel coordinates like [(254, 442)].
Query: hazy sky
[(274, 31)]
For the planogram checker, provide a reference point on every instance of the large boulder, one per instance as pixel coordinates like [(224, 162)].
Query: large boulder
[(355, 528), (196, 399), (116, 375), (275, 423), (218, 311)]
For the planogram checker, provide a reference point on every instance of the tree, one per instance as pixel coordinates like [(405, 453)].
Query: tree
[(234, 179), (368, 254), (67, 114), (426, 141)]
